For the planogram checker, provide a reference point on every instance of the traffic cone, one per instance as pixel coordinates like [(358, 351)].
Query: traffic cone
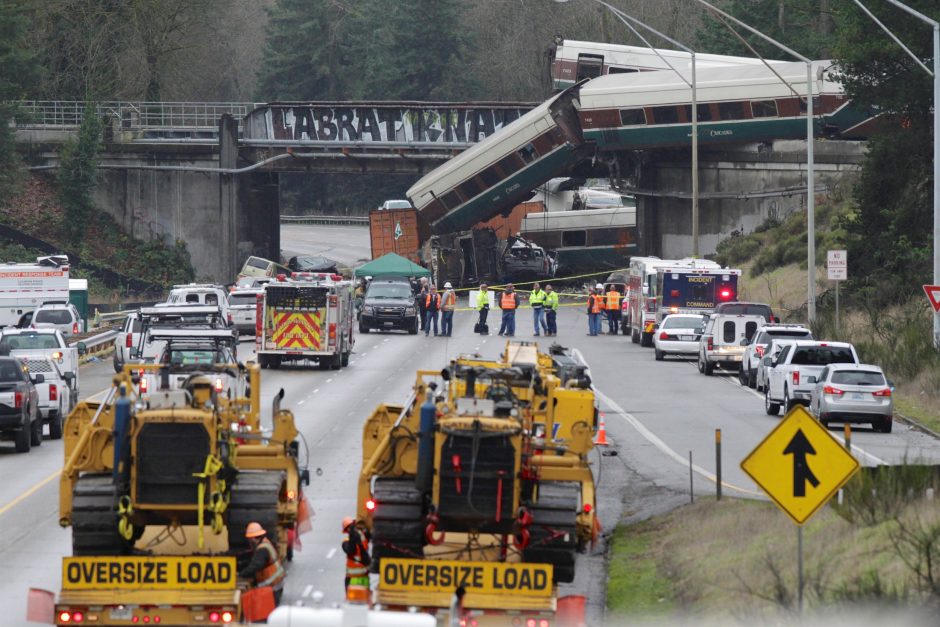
[(601, 439)]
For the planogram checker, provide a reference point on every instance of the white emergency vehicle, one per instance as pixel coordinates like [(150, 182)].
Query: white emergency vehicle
[(26, 286), (309, 317)]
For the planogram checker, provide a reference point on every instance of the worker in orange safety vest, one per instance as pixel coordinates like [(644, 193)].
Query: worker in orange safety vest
[(265, 564), (595, 309), (509, 303), (356, 548), (612, 306), (432, 305)]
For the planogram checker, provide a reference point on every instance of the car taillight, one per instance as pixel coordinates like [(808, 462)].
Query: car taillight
[(710, 345), (332, 331), (884, 392), (796, 377), (53, 393), (833, 391), (143, 385), (759, 349), (128, 341), (218, 385), (18, 399), (664, 336), (74, 328)]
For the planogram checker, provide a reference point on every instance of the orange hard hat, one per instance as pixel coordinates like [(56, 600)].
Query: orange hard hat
[(254, 530), (347, 521)]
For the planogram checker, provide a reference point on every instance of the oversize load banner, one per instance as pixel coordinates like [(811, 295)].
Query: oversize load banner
[(408, 575), (379, 124), (155, 573)]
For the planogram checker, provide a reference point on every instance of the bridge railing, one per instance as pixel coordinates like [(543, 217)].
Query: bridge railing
[(356, 220), (202, 116)]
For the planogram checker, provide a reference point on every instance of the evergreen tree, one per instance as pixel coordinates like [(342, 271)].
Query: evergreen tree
[(19, 76), (78, 174)]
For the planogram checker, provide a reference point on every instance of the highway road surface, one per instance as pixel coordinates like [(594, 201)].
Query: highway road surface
[(656, 413), (349, 245)]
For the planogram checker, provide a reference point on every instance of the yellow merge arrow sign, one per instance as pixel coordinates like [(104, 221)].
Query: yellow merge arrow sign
[(800, 465)]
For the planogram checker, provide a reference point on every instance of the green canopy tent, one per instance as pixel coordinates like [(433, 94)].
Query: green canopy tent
[(391, 265)]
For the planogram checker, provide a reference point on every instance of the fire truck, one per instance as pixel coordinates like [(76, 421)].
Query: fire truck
[(307, 318)]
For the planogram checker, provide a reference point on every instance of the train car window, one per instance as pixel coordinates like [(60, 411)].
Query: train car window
[(817, 103), (509, 165), (704, 112), (764, 108), (632, 117), (528, 153), (451, 200), (558, 138), (470, 188), (574, 238), (622, 70), (730, 110), (589, 66), (665, 115), (489, 176)]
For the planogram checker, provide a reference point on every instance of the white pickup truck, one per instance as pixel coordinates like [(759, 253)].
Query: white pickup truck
[(45, 352), (794, 370)]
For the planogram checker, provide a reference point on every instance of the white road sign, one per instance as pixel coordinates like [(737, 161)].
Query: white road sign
[(837, 264)]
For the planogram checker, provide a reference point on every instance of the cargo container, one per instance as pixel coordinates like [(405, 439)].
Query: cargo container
[(506, 226), (395, 231)]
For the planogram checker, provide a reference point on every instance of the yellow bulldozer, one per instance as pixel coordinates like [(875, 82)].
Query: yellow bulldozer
[(164, 458), (486, 460)]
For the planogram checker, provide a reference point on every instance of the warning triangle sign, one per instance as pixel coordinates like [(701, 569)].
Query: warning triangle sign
[(933, 295)]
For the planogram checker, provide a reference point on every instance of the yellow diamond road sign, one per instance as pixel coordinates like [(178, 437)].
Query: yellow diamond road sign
[(800, 465)]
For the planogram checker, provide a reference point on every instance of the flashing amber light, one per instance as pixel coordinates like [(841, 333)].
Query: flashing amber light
[(291, 495), (65, 617), (218, 384), (227, 617), (370, 505), (143, 386)]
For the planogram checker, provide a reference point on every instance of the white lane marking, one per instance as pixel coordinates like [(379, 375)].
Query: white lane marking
[(301, 402), (316, 390), (855, 449), (385, 340), (330, 380), (331, 553), (307, 590), (655, 441)]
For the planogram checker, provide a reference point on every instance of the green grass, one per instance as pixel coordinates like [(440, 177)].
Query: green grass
[(927, 416), (636, 587)]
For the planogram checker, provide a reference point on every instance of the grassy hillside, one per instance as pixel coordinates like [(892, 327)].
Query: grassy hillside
[(110, 258)]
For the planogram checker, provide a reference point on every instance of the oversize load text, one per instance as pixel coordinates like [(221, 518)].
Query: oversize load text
[(527, 579), (142, 572)]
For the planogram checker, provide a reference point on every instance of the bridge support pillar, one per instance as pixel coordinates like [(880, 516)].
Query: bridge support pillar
[(228, 195)]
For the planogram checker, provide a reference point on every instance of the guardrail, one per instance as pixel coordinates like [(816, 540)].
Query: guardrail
[(354, 220), (131, 115), (97, 343)]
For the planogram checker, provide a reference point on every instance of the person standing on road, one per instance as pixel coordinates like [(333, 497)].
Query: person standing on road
[(537, 300), (612, 305), (422, 299), (483, 307), (457, 618), (551, 311), (595, 309), (264, 567), (448, 304), (508, 302), (432, 304), (356, 548)]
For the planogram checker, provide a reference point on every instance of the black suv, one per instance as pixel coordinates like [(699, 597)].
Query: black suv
[(747, 309), (389, 304)]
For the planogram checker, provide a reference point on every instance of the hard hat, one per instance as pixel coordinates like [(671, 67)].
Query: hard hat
[(347, 521), (254, 530), (448, 285), (599, 286)]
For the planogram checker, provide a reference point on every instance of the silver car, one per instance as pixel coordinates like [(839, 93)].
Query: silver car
[(678, 334), (853, 393)]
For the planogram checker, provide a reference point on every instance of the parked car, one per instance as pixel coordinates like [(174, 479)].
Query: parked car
[(127, 338), (756, 347), (19, 405), (312, 263), (722, 342), (244, 307), (678, 334), (58, 315), (250, 282), (789, 380), (396, 204), (748, 309), (853, 393), (389, 304)]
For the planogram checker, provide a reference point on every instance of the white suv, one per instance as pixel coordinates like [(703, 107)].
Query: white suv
[(722, 343), (757, 347), (62, 316)]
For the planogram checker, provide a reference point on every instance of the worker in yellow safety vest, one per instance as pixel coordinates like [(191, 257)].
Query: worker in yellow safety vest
[(537, 301), (265, 565), (613, 310), (356, 548), (551, 311), (483, 307)]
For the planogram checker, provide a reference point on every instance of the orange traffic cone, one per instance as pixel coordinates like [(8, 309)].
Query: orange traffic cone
[(601, 439)]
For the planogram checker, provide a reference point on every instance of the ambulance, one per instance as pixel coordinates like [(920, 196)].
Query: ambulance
[(307, 318), (26, 286)]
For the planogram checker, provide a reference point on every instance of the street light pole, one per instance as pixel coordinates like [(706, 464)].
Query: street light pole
[(695, 215)]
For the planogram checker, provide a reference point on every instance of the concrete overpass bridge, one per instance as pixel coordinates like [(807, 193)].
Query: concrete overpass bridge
[(208, 173)]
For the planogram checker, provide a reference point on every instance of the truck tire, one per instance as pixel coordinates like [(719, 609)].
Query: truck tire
[(35, 431), (363, 328), (553, 535), (55, 427), (22, 441), (752, 378), (118, 366), (413, 329), (708, 368), (336, 361), (254, 498), (94, 517), (646, 340), (397, 521), (770, 408), (275, 362), (345, 358), (659, 355)]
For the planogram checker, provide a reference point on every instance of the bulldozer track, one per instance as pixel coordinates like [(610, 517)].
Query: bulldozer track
[(94, 517)]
